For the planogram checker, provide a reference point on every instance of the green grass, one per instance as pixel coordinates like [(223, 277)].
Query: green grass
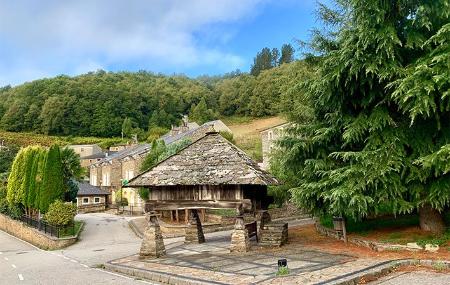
[(440, 240), (283, 270), (26, 139), (223, 212), (364, 227), (368, 225), (251, 146), (71, 231)]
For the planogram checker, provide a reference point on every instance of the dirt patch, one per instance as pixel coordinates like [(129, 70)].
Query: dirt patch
[(308, 236), (247, 137), (255, 126), (399, 235)]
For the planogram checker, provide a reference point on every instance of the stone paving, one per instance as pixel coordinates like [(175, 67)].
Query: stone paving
[(212, 263), (416, 277)]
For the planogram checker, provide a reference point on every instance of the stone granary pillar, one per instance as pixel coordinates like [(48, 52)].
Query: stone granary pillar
[(239, 238), (264, 219), (194, 230), (152, 242)]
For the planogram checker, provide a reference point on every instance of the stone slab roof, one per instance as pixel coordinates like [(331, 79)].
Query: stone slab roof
[(193, 134), (132, 150), (86, 189), (211, 160), (99, 155)]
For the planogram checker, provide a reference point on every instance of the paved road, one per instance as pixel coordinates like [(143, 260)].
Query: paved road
[(416, 278), (105, 237)]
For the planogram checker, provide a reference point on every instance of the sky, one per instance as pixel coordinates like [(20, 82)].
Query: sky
[(47, 38)]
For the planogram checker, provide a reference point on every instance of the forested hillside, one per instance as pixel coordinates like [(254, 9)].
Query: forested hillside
[(98, 103)]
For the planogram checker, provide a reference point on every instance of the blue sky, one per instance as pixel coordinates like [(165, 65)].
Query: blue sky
[(51, 37)]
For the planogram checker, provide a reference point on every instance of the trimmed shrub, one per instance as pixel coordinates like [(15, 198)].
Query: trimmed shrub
[(60, 213)]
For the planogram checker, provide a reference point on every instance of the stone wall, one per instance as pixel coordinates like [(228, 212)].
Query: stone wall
[(375, 246), (33, 236), (268, 139), (92, 208), (116, 174)]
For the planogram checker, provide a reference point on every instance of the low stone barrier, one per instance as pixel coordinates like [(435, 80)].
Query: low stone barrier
[(92, 208), (34, 236), (380, 271)]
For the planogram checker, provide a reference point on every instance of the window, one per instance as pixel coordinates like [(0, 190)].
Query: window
[(96, 200), (106, 180), (270, 134), (85, 200), (129, 174), (76, 201)]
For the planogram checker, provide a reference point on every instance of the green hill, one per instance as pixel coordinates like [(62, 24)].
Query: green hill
[(96, 104)]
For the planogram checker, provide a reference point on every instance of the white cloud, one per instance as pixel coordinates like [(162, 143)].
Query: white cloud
[(55, 36)]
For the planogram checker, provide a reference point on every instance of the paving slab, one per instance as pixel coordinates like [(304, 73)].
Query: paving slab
[(416, 278), (212, 263)]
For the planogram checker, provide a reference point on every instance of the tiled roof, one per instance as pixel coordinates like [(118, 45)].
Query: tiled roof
[(86, 189), (99, 155)]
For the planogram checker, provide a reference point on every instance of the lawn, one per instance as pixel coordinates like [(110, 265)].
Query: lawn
[(71, 231)]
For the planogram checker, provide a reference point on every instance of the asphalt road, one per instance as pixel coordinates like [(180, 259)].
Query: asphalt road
[(105, 237)]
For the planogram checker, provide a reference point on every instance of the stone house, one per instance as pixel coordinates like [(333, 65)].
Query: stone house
[(268, 138), (85, 149), (192, 135), (91, 159), (110, 172), (90, 198), (87, 152), (183, 128)]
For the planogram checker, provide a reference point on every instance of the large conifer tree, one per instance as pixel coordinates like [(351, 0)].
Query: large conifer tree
[(52, 187), (382, 113)]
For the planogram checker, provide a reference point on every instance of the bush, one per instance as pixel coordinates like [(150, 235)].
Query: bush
[(15, 211), (144, 193), (4, 206), (280, 195), (120, 200), (60, 213)]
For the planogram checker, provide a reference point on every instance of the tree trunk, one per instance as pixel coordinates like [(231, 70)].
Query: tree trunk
[(431, 220)]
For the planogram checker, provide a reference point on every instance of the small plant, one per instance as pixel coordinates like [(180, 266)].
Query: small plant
[(282, 270), (439, 266)]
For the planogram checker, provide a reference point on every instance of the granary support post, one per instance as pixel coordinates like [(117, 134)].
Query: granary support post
[(264, 219), (239, 238), (152, 241), (194, 230)]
